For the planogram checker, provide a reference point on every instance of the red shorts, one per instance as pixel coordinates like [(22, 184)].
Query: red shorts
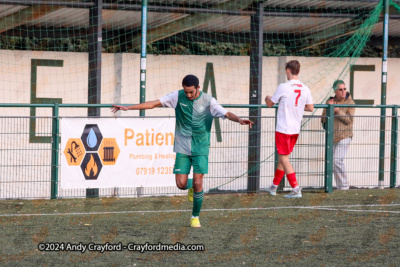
[(285, 142)]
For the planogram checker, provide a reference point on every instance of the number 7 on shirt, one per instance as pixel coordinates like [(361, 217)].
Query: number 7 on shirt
[(297, 98)]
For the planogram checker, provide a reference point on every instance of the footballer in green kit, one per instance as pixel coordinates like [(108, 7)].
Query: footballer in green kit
[(194, 112)]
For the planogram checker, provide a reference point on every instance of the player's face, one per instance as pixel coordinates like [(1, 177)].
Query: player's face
[(191, 92), (341, 92)]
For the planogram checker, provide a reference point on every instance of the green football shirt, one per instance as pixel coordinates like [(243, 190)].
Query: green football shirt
[(193, 121)]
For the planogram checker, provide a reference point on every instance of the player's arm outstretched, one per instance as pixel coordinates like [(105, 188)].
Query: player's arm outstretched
[(218, 111), (145, 105), (233, 117)]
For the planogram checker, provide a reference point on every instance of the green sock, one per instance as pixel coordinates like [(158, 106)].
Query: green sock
[(189, 184), (197, 202)]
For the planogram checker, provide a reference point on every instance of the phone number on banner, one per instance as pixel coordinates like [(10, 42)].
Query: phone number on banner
[(152, 170)]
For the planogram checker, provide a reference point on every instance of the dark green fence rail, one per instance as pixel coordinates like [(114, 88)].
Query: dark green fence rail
[(35, 167)]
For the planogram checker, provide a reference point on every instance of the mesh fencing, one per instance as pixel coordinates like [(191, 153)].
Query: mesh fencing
[(25, 168)]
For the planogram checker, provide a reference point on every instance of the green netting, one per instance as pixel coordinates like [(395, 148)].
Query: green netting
[(395, 5), (353, 47)]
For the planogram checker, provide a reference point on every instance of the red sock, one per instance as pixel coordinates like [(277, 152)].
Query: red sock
[(278, 176), (292, 179)]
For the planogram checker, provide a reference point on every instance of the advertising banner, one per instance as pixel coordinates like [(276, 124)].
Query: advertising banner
[(117, 152)]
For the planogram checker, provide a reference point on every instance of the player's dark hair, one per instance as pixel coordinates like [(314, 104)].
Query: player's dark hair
[(190, 80), (293, 66)]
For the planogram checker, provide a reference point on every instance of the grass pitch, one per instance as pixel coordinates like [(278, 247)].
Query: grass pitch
[(355, 227)]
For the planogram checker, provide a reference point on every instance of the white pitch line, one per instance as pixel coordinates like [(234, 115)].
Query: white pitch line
[(360, 205), (373, 211), (204, 210)]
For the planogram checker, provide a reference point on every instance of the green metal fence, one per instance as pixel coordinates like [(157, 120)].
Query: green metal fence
[(30, 154)]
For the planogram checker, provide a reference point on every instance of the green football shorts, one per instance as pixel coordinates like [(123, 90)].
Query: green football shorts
[(184, 162)]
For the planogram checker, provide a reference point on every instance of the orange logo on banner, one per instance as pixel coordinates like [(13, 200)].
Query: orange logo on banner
[(74, 151), (109, 151), (91, 151), (91, 168)]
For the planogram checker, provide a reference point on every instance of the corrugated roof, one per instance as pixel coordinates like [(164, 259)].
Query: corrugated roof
[(112, 19), (235, 24), (321, 4), (183, 2), (342, 4), (6, 10), (394, 29), (120, 19)]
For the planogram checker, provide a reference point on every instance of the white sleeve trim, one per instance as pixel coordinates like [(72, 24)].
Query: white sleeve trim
[(309, 99), (216, 109), (277, 94), (170, 100)]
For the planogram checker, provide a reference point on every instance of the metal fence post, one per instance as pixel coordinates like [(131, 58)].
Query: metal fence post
[(143, 55), (95, 39), (383, 96), (393, 150), (54, 152), (329, 148), (256, 55)]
